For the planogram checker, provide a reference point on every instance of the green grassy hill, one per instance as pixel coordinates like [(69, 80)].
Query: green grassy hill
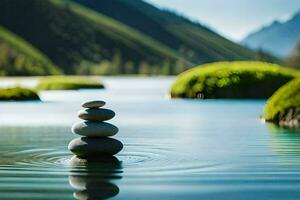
[(115, 37), (17, 57), (232, 80), (195, 42), (81, 41)]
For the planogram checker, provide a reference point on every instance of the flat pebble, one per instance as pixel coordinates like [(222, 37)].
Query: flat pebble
[(94, 129), (86, 147), (93, 104), (107, 163), (100, 114)]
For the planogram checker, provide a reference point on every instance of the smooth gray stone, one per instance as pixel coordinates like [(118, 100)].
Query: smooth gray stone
[(100, 114), (109, 164), (95, 129), (93, 104), (89, 147)]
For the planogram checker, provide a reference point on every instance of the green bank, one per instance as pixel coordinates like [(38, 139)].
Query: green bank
[(241, 79), (283, 107), (68, 83), (17, 94)]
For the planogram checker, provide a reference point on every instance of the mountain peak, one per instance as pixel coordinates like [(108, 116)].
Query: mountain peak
[(277, 38)]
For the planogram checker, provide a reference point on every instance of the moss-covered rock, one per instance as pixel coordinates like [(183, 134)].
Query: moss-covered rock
[(68, 83), (283, 108), (242, 79), (17, 94)]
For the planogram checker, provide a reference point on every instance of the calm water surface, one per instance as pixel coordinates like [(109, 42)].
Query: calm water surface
[(173, 149)]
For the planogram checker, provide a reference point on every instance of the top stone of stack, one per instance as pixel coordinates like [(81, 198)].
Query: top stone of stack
[(93, 104)]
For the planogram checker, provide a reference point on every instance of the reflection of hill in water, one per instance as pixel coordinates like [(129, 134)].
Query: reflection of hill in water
[(285, 144), (93, 179)]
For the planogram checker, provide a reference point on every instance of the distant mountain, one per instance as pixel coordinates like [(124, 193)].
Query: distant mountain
[(116, 36), (17, 57), (293, 59), (277, 38)]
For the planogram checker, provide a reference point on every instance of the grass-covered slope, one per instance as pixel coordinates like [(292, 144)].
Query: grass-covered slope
[(116, 36), (17, 94), (283, 107), (194, 41), (232, 80), (68, 83), (18, 57), (82, 41)]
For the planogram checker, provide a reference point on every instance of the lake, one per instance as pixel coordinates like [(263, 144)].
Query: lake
[(173, 149)]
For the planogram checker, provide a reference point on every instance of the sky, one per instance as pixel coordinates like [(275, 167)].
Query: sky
[(234, 19)]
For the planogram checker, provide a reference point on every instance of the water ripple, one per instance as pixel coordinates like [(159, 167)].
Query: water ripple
[(137, 159), (37, 159)]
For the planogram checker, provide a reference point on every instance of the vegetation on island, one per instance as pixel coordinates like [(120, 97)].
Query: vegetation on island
[(239, 79), (17, 94), (68, 83), (18, 57), (101, 38), (283, 107)]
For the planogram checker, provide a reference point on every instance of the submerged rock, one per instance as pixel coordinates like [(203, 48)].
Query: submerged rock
[(88, 147), (290, 118), (100, 114), (94, 129)]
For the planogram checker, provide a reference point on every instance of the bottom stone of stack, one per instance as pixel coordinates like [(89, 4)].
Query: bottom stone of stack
[(109, 162), (92, 147)]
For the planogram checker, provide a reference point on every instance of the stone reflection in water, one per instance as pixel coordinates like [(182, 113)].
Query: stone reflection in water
[(95, 179)]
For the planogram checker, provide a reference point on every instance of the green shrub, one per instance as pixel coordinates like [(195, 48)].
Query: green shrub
[(284, 104), (68, 83), (242, 79), (17, 93)]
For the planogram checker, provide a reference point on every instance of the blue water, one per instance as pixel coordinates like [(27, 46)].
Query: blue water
[(173, 149)]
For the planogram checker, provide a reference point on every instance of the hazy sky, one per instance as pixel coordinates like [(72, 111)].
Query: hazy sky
[(233, 18)]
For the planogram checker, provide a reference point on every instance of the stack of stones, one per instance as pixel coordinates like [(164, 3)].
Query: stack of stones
[(96, 141)]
